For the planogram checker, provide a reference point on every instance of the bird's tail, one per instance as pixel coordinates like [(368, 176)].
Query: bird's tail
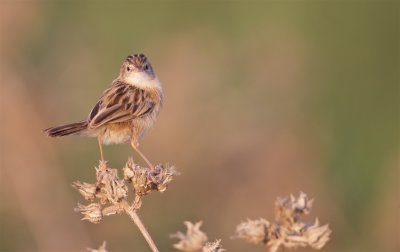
[(67, 129)]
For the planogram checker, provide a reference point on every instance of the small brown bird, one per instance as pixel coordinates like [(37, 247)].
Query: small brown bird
[(125, 111)]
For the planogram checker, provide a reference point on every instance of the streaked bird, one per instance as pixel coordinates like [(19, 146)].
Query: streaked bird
[(125, 111)]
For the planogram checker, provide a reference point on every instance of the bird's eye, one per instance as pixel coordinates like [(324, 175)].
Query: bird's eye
[(128, 68), (146, 67)]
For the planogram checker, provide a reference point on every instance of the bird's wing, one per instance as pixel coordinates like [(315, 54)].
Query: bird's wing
[(120, 103)]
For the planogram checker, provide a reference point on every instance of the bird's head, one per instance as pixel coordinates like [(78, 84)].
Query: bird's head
[(137, 71)]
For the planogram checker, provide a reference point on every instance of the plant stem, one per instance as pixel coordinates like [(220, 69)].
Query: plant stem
[(133, 215)]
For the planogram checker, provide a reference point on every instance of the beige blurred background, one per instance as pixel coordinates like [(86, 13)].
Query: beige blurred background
[(263, 99)]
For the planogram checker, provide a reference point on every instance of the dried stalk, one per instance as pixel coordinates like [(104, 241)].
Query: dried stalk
[(135, 217), (112, 192)]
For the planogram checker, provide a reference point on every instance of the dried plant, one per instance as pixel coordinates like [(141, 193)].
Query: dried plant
[(287, 230), (195, 240), (109, 195), (213, 246)]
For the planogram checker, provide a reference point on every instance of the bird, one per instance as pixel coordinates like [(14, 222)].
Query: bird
[(125, 111)]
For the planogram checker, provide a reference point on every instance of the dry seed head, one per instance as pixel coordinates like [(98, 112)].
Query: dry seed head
[(113, 209), (311, 235), (116, 190), (111, 188), (162, 176), (301, 204), (213, 247), (288, 231), (88, 191), (91, 212), (253, 231), (145, 180), (193, 240), (289, 210), (317, 236), (137, 176)]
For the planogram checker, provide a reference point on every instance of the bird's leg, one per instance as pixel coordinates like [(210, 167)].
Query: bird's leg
[(100, 140), (135, 146)]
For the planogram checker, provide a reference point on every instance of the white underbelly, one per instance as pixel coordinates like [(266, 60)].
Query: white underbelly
[(116, 137)]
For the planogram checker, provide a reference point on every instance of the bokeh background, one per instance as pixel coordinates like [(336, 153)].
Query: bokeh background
[(263, 99)]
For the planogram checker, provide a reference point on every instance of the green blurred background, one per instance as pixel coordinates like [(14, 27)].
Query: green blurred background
[(262, 99)]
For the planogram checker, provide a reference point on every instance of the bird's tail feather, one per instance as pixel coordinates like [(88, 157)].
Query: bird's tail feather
[(67, 129)]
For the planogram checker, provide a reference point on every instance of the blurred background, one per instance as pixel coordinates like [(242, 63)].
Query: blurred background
[(262, 99)]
